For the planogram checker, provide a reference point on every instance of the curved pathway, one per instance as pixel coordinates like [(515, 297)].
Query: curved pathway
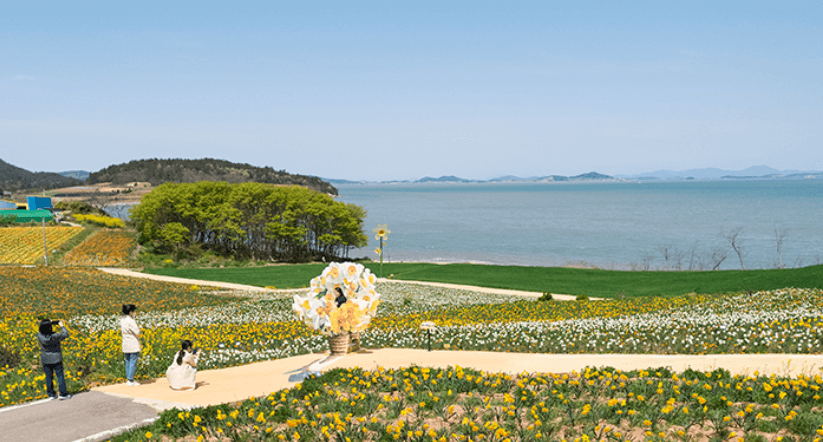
[(233, 286), (224, 385)]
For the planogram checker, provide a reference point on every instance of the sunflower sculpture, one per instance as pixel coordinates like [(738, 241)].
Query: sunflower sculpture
[(341, 301), (381, 232)]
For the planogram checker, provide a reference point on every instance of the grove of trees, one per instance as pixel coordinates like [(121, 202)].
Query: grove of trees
[(249, 221)]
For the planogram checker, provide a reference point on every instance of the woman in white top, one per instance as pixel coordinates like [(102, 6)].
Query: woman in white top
[(131, 342), (182, 370)]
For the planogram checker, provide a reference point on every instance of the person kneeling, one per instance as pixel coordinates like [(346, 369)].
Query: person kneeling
[(182, 370)]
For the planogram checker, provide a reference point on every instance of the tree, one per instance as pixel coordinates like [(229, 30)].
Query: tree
[(250, 221), (174, 236), (718, 256), (733, 237)]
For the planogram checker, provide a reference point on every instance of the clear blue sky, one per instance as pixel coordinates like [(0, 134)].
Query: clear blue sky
[(391, 90)]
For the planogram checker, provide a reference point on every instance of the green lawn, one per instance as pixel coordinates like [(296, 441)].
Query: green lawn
[(591, 282)]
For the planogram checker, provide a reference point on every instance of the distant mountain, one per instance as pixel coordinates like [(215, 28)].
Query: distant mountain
[(591, 176), (553, 178), (443, 179), (755, 172), (79, 174), (339, 181), (714, 173), (159, 171), (15, 178), (508, 178)]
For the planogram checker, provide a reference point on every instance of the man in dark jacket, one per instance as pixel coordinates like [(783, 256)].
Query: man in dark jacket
[(52, 356)]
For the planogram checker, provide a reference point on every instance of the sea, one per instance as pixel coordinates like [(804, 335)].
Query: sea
[(610, 225)]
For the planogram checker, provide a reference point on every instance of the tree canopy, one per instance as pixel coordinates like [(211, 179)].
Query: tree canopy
[(249, 221)]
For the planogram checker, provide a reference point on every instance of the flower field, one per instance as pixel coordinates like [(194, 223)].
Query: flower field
[(457, 404), (238, 328), (104, 248), (24, 245), (67, 292)]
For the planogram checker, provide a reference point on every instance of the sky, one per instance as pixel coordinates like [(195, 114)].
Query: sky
[(397, 91)]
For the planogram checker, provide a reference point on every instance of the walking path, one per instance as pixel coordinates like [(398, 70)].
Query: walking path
[(233, 286), (259, 379)]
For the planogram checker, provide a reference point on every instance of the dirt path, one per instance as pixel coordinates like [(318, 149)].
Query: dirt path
[(233, 286)]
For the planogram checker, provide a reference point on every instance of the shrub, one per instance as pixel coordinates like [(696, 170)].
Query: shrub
[(9, 358), (78, 207), (546, 296), (582, 297), (9, 220)]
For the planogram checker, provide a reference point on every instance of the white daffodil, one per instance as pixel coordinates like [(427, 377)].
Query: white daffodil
[(333, 276), (314, 319), (352, 271), (381, 231)]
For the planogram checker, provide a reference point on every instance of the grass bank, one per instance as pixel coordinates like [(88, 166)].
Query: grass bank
[(591, 282)]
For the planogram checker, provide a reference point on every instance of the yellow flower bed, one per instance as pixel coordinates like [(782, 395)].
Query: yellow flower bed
[(104, 221), (104, 248), (24, 245)]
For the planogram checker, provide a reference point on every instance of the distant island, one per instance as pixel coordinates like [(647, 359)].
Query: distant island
[(751, 173), (157, 171)]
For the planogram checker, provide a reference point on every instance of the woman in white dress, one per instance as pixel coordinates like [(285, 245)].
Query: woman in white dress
[(182, 370)]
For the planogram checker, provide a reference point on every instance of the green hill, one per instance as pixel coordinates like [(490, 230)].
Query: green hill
[(16, 178), (159, 171)]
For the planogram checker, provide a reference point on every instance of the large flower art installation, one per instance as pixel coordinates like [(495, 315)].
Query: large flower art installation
[(342, 300)]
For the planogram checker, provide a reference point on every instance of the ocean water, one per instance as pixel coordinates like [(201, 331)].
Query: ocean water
[(607, 225)]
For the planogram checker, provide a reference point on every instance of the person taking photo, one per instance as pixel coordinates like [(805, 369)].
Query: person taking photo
[(182, 370), (51, 356)]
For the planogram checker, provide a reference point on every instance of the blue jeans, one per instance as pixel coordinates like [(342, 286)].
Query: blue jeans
[(51, 370), (131, 365)]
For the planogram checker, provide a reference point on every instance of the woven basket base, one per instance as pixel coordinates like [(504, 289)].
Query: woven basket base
[(339, 344)]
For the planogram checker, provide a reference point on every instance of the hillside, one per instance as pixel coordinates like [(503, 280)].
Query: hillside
[(15, 178), (159, 171)]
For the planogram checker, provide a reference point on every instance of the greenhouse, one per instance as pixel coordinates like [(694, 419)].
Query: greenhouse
[(25, 216)]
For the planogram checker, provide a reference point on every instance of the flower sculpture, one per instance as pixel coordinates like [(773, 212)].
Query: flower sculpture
[(341, 300), (381, 232)]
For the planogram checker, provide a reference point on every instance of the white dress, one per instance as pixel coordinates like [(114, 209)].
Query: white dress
[(181, 376)]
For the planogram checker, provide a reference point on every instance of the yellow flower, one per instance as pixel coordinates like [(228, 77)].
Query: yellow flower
[(381, 231)]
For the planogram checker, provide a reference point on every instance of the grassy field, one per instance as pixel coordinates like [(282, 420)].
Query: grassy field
[(591, 282)]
